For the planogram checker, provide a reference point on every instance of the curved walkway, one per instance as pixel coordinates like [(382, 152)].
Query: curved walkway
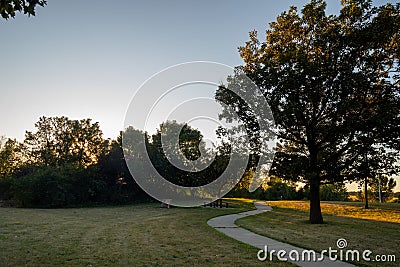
[(226, 224)]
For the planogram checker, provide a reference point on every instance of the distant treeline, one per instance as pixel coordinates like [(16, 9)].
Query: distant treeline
[(67, 163)]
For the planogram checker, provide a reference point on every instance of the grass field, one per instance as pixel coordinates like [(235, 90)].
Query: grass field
[(376, 229), (136, 235)]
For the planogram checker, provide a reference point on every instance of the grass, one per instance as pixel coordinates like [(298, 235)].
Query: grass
[(384, 212), (376, 229), (136, 235)]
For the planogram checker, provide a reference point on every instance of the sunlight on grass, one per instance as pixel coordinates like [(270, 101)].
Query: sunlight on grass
[(376, 229), (386, 212)]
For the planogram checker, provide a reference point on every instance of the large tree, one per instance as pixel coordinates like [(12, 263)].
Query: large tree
[(323, 76), (58, 141), (192, 146)]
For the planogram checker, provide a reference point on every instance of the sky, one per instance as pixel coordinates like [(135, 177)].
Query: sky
[(86, 59)]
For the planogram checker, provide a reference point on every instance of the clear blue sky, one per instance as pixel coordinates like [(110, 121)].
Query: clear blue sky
[(85, 59)]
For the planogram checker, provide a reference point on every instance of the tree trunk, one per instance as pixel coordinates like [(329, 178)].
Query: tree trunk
[(366, 180), (366, 192), (315, 205)]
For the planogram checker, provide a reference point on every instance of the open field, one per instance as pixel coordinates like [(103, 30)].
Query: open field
[(136, 235), (376, 229)]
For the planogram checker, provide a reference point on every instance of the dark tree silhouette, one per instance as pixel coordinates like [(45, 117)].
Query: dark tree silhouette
[(59, 140), (8, 8), (329, 80)]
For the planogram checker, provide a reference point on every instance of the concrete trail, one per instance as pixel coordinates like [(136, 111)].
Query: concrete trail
[(226, 224)]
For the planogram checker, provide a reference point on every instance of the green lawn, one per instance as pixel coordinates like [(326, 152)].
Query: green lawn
[(136, 235), (376, 229)]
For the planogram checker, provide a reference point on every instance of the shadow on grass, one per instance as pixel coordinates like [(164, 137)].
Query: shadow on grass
[(291, 226)]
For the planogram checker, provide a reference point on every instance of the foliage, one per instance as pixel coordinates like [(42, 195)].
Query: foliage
[(120, 188), (274, 189), (382, 182), (2, 141), (9, 157), (330, 81), (241, 189), (385, 185), (280, 191), (65, 186), (192, 147), (5, 186), (360, 196), (59, 140), (66, 163), (334, 192), (8, 8), (55, 187)]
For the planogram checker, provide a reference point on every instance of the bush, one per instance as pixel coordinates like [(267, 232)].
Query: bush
[(51, 187), (55, 187), (334, 192), (5, 185), (279, 191)]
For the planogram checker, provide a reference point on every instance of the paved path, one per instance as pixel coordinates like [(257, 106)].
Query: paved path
[(226, 224)]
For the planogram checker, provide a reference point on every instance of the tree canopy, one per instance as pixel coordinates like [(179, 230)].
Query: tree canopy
[(331, 81), (65, 162), (8, 8), (59, 140)]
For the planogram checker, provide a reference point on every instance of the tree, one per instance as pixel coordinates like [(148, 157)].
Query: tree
[(241, 189), (334, 192), (111, 161), (320, 74), (277, 189), (121, 187), (59, 141), (87, 141), (9, 157), (191, 145), (373, 162), (8, 8), (382, 187), (50, 144), (2, 141)]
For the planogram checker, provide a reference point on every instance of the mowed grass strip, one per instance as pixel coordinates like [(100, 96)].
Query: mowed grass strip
[(376, 229), (136, 235), (384, 212)]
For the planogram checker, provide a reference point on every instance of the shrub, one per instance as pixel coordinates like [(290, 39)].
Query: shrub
[(55, 187), (334, 192), (278, 191)]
